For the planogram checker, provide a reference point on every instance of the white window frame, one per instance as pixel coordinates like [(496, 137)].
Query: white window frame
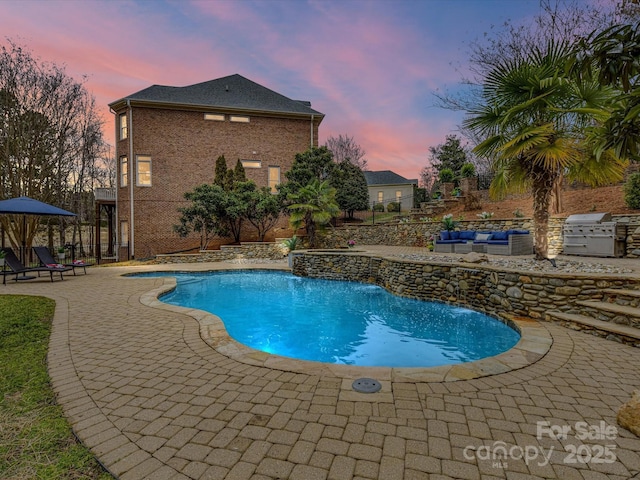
[(251, 163), (123, 126), (380, 196), (124, 171), (398, 195), (143, 159), (124, 233), (217, 117), (273, 182), (238, 119)]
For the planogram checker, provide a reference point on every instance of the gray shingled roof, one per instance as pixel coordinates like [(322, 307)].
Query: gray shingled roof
[(233, 92), (387, 177)]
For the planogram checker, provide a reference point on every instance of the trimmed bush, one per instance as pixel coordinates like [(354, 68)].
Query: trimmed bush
[(393, 207), (378, 207), (468, 170), (632, 191), (446, 175)]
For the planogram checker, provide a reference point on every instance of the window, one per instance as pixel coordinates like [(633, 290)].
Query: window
[(398, 195), (235, 118), (143, 168), (123, 126), (274, 178), (124, 171), (214, 116), (124, 233), (251, 163), (380, 197)]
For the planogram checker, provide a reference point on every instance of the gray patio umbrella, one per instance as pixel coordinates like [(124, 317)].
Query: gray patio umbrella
[(29, 206)]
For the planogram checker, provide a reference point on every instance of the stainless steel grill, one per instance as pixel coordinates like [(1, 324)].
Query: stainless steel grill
[(593, 235)]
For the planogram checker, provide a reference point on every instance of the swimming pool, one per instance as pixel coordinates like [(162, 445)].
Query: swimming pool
[(339, 322)]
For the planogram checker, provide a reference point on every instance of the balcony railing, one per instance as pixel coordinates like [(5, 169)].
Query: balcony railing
[(105, 194)]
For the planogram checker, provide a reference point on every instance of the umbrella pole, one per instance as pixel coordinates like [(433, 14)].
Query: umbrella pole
[(24, 239)]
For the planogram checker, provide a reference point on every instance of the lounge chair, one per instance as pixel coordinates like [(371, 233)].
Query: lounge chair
[(45, 257), (18, 268)]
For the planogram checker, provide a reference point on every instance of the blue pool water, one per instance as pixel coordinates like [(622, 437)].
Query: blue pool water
[(339, 322)]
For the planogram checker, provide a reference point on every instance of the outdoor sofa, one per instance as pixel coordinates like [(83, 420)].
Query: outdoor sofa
[(455, 241), (503, 242)]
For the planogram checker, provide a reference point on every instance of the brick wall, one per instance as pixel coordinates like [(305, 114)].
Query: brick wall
[(183, 148)]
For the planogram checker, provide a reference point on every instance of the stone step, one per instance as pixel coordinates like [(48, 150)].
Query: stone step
[(622, 292), (611, 307), (616, 329)]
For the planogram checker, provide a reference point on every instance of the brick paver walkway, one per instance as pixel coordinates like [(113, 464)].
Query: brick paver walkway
[(152, 400)]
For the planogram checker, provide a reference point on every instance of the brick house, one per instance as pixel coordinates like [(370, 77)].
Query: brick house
[(386, 186), (168, 140)]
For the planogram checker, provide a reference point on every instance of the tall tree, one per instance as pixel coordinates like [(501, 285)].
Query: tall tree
[(612, 56), (314, 164), (313, 207), (532, 119), (199, 215), (449, 154), (558, 21), (428, 176), (49, 134), (345, 148), (352, 193), (239, 174), (263, 210), (220, 174)]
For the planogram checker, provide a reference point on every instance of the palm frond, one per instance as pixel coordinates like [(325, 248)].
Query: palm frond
[(558, 155), (527, 138), (598, 170)]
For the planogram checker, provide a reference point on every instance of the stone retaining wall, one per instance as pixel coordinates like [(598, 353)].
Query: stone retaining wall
[(248, 250), (484, 288), (412, 234), (417, 234)]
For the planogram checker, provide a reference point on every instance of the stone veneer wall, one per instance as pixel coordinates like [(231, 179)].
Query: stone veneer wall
[(248, 250), (417, 234), (413, 234), (410, 234), (487, 289)]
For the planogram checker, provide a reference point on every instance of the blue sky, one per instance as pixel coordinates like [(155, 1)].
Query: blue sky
[(370, 66)]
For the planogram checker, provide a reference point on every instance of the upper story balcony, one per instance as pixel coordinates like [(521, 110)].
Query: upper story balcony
[(105, 195)]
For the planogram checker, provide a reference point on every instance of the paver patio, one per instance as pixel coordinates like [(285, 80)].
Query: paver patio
[(153, 400)]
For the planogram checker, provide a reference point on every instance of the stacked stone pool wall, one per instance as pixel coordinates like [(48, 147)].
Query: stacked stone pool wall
[(494, 291)]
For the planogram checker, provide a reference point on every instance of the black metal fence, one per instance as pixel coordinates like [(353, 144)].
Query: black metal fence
[(93, 254), (381, 210), (484, 181)]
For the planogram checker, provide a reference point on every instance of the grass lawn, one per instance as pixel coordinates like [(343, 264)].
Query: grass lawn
[(35, 439)]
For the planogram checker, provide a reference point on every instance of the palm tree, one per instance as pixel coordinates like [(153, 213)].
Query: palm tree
[(314, 206), (535, 120)]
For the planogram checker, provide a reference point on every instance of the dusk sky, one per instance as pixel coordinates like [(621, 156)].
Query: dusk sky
[(371, 67)]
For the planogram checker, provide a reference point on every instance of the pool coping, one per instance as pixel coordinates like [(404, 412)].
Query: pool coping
[(535, 342)]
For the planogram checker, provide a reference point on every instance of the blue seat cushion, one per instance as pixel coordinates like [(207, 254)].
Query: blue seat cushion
[(451, 241), (454, 235), (499, 236), (444, 235), (517, 232), (467, 235)]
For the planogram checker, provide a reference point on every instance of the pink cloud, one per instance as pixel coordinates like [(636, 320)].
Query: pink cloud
[(366, 72)]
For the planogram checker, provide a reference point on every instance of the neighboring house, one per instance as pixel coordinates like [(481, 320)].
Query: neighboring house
[(386, 186), (168, 140)]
